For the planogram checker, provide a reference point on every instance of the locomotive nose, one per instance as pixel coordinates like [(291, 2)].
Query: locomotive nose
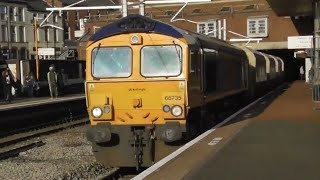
[(100, 133)]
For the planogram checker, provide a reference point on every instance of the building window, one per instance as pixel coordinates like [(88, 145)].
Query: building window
[(12, 12), (13, 34), (14, 52), (3, 12), (45, 16), (46, 35), (22, 34), (20, 14), (226, 9), (88, 14), (251, 7), (66, 15), (196, 11), (77, 15), (56, 34), (257, 27), (3, 33), (69, 33), (23, 52), (38, 34), (55, 19), (208, 28)]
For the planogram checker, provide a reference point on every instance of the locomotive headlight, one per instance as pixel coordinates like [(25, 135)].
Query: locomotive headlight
[(96, 112), (176, 110), (166, 108)]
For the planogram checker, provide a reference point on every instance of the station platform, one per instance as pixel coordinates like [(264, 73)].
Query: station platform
[(279, 142), (25, 102)]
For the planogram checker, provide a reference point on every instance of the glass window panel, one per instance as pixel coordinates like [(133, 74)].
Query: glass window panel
[(13, 34), (257, 27), (21, 33), (54, 18), (20, 14), (202, 28), (161, 60), (3, 12), (111, 62), (11, 12), (4, 33)]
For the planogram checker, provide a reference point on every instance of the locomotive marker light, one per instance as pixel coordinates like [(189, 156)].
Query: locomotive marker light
[(176, 110), (106, 109), (96, 112), (136, 39), (166, 108)]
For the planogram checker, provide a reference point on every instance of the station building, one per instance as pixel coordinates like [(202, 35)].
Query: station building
[(252, 23), (17, 29)]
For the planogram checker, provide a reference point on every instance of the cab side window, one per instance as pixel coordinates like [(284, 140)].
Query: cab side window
[(194, 68)]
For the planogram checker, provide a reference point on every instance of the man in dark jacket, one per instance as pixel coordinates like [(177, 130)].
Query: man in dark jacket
[(6, 79)]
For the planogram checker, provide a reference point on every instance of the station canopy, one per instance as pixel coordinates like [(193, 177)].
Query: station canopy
[(292, 7)]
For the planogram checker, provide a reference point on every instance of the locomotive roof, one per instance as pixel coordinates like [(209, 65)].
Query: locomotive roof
[(141, 24)]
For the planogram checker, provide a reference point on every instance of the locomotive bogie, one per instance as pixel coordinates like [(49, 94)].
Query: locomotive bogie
[(119, 151)]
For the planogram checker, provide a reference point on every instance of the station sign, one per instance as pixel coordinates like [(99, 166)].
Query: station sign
[(45, 51), (300, 42), (81, 24), (70, 53), (78, 33)]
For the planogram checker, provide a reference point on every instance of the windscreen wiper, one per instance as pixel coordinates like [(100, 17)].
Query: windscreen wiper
[(178, 54), (95, 55)]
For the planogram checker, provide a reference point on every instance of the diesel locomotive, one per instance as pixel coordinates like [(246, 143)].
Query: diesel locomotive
[(151, 87)]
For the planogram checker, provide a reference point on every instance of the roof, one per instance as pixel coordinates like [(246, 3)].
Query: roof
[(142, 24), (33, 5), (14, 1), (92, 2), (135, 23), (37, 5), (292, 7)]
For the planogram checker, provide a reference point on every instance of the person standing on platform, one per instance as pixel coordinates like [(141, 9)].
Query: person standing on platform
[(30, 84), (301, 72), (61, 81), (6, 79), (52, 81), (311, 75)]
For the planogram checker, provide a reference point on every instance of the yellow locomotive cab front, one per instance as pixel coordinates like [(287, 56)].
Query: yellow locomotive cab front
[(136, 96), (147, 103)]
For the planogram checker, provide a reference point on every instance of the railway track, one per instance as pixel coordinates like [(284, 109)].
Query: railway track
[(15, 144)]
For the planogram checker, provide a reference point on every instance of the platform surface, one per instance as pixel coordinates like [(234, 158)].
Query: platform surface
[(281, 142), (36, 101)]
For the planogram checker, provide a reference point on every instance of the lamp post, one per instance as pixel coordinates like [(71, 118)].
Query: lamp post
[(8, 32), (54, 34), (35, 21)]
